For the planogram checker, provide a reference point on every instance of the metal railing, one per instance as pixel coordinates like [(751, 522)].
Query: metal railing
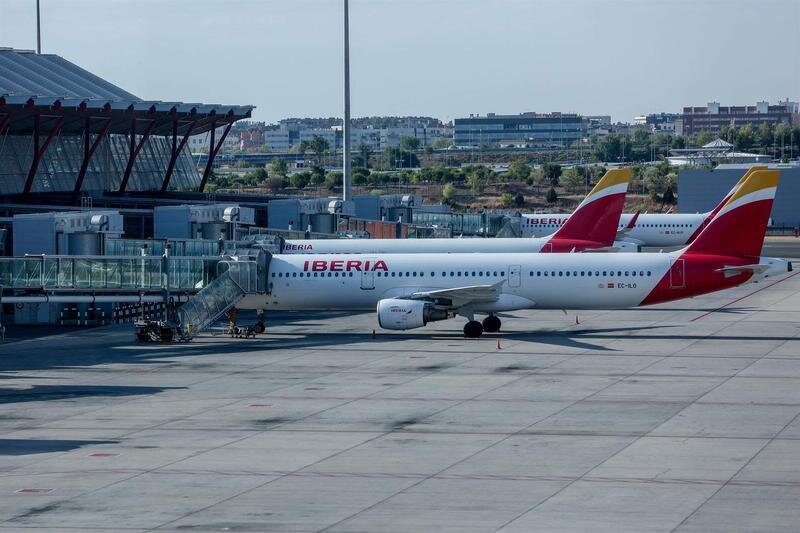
[(133, 273), (236, 279)]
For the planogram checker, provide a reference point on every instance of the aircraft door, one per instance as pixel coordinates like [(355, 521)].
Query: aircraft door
[(367, 280), (677, 274), (514, 275)]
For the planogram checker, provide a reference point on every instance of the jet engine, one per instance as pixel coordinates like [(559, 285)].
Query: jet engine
[(394, 313)]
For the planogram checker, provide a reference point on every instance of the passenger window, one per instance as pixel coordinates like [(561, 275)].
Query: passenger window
[(641, 272), (627, 273), (589, 273), (619, 273), (415, 274), (392, 274), (502, 273), (648, 272), (567, 273), (273, 274)]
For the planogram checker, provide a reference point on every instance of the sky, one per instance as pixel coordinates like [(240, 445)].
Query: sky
[(441, 58)]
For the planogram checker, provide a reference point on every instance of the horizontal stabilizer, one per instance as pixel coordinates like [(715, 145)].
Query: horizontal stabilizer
[(731, 271)]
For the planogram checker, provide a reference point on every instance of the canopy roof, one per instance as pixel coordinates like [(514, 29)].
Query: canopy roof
[(57, 90)]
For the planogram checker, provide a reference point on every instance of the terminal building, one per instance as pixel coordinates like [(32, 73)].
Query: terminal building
[(534, 130), (103, 207)]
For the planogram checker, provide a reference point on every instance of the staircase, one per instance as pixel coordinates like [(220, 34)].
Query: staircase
[(219, 296)]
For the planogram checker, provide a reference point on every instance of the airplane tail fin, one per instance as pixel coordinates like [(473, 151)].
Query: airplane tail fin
[(597, 216), (739, 225), (710, 215)]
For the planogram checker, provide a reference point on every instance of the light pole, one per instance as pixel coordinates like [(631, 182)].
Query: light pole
[(347, 180), (38, 30)]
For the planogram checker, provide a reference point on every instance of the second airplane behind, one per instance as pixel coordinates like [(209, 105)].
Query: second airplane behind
[(592, 227)]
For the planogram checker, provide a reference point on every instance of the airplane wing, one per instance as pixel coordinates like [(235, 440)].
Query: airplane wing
[(461, 296), (730, 271)]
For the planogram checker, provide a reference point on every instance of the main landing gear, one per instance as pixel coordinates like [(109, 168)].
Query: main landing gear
[(474, 329), (491, 324)]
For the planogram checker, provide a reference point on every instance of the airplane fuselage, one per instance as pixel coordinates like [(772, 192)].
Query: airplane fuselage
[(539, 281), (650, 229)]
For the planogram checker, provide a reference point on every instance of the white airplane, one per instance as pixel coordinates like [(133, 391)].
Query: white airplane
[(409, 291), (643, 229), (592, 227)]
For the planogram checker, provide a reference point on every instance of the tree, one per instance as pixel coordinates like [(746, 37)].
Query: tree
[(317, 175), (745, 138), (519, 170), (678, 142), (610, 147), (333, 179), (448, 193), (275, 184), (669, 196), (319, 145), (392, 158), (552, 196), (552, 173), (572, 180), (477, 176), (765, 135), (442, 143), (409, 144), (364, 153), (300, 180), (360, 176), (279, 166), (506, 199), (703, 137)]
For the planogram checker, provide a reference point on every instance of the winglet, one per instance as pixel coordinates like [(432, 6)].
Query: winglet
[(739, 226), (597, 217)]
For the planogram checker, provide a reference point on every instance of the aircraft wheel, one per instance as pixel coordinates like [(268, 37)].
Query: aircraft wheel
[(491, 324), (259, 328), (473, 329)]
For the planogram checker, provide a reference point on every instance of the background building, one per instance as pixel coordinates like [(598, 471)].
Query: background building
[(536, 129), (700, 189), (714, 117)]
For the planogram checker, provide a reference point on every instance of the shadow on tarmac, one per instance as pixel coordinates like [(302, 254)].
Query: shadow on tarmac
[(34, 446), (43, 393)]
